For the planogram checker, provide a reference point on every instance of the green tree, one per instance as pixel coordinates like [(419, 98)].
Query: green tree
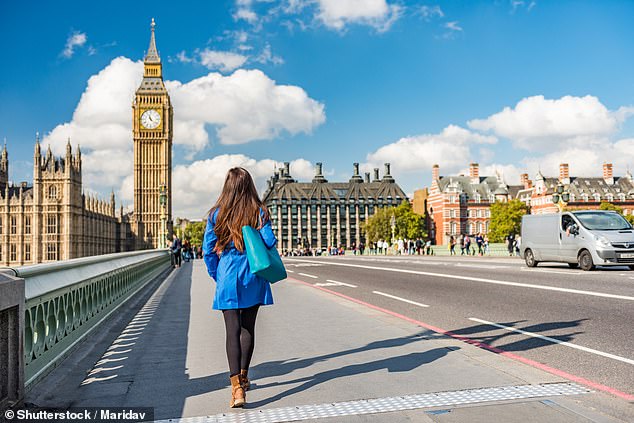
[(194, 232), (609, 206), (408, 224), (506, 218)]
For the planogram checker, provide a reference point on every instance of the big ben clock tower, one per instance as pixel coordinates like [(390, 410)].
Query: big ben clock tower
[(152, 132)]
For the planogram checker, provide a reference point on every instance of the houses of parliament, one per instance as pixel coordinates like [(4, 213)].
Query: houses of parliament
[(53, 219)]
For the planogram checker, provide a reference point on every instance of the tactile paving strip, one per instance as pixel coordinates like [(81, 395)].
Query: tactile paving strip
[(384, 405)]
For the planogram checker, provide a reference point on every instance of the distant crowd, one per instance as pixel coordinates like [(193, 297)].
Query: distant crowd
[(183, 250)]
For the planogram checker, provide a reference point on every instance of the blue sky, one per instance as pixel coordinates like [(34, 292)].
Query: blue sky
[(515, 85)]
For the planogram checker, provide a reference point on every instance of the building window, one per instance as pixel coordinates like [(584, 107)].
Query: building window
[(0, 225), (27, 252), (13, 252), (51, 251), (27, 225), (52, 192), (51, 224), (14, 225)]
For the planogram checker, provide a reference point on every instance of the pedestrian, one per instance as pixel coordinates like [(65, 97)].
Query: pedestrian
[(486, 245), (239, 293), (480, 242), (510, 244), (428, 247), (518, 244), (461, 241), (452, 245), (361, 248), (177, 246), (467, 244)]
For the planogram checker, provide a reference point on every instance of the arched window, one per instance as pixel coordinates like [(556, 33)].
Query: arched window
[(52, 191)]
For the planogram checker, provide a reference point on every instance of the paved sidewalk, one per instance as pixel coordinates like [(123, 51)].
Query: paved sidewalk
[(312, 348)]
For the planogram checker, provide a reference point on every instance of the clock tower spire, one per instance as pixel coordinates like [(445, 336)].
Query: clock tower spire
[(152, 116)]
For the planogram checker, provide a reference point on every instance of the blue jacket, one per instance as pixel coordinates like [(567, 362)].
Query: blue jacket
[(236, 286)]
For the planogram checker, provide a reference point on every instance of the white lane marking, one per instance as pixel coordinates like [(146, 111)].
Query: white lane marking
[(555, 341), (557, 272), (479, 266), (400, 299), (341, 283), (493, 281), (308, 276), (290, 271)]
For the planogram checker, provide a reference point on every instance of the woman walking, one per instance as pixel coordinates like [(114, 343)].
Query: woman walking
[(239, 293)]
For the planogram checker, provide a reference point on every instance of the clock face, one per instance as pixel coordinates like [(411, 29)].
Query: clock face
[(150, 119)]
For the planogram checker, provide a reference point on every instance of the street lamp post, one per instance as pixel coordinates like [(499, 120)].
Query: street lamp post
[(393, 225), (561, 197), (163, 202)]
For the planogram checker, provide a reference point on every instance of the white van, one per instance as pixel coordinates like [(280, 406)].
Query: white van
[(583, 239)]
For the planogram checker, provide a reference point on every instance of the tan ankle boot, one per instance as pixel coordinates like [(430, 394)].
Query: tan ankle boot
[(238, 398), (244, 380)]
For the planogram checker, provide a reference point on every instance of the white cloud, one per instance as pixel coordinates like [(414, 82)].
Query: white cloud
[(224, 61), (267, 56), (198, 185), (377, 13), (430, 12), (75, 40), (243, 107), (451, 149), (246, 106), (585, 160), (453, 26), (536, 123)]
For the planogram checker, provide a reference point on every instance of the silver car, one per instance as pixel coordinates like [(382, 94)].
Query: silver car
[(583, 239)]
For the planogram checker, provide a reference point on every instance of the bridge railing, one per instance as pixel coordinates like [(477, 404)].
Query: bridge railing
[(65, 301)]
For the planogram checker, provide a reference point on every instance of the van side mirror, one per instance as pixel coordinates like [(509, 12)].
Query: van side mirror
[(574, 229)]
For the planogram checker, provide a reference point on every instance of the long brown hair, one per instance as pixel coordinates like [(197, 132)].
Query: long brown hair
[(239, 205)]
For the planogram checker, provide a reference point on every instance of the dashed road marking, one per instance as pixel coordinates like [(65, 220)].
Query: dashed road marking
[(341, 283), (555, 341), (330, 282), (394, 297), (308, 276), (492, 281)]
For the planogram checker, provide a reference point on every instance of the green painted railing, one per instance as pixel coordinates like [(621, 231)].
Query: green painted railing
[(66, 300)]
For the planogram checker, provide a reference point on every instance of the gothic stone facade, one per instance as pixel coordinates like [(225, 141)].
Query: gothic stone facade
[(320, 214), (52, 219)]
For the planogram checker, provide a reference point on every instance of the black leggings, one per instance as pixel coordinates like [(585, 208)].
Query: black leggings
[(240, 328)]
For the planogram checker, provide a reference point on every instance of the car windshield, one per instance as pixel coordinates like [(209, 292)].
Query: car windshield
[(603, 221)]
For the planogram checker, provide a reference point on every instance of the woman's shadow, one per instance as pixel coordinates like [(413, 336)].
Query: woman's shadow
[(403, 363)]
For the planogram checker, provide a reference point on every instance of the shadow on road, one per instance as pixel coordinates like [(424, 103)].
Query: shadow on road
[(403, 363), (524, 344)]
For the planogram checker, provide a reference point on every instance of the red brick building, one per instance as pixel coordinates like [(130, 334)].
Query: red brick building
[(585, 193), (461, 204)]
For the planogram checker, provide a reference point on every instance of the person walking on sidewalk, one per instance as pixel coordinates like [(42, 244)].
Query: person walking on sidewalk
[(239, 293), (177, 246)]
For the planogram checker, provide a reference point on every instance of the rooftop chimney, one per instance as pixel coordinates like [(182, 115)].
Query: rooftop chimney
[(387, 177), (376, 175), (564, 173), (355, 176), (435, 172), (367, 177), (608, 175), (474, 173), (319, 177), (525, 181), (287, 169)]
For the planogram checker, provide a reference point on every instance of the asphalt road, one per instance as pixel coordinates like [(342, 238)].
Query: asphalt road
[(593, 312)]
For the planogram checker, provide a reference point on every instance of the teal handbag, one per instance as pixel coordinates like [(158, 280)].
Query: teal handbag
[(264, 262)]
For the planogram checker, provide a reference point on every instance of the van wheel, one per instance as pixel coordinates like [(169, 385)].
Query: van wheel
[(585, 261), (573, 265), (530, 258)]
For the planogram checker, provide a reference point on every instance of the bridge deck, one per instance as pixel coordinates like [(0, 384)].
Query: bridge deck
[(167, 352)]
